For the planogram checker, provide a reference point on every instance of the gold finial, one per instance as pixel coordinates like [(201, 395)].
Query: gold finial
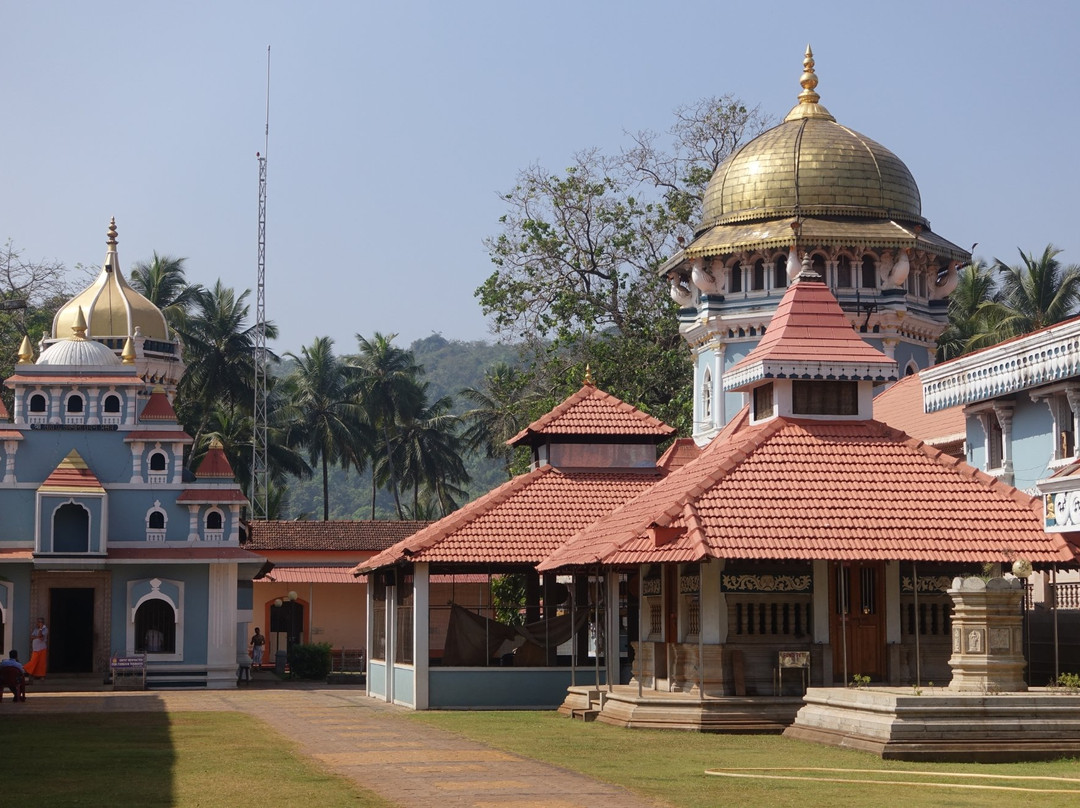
[(588, 377), (808, 79), (215, 443), (26, 352), (127, 356), (111, 240), (808, 106), (79, 326)]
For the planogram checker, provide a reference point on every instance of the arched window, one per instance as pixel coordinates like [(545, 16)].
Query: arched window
[(911, 368), (155, 627), (156, 520), (75, 403), (706, 395), (735, 278), (158, 462), (780, 279), (214, 520), (38, 403), (843, 272), (71, 529), (869, 273), (111, 405), (817, 263), (759, 275)]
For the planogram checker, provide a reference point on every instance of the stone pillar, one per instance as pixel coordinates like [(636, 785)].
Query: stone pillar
[(987, 636)]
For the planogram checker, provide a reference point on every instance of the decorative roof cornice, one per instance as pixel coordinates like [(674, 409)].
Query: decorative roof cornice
[(1033, 360)]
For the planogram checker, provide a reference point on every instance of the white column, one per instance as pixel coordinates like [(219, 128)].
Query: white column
[(92, 394), (178, 464), (136, 461), (221, 626), (193, 522), (54, 405), (420, 636)]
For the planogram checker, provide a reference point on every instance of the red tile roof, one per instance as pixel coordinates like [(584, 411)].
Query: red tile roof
[(793, 489), (311, 575), (678, 454), (158, 408), (3, 411), (221, 496), (215, 464), (809, 336), (158, 434), (10, 434), (363, 535), (901, 407), (521, 521), (590, 411), (72, 474)]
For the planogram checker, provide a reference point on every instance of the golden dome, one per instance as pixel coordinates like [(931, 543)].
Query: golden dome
[(810, 165), (112, 308)]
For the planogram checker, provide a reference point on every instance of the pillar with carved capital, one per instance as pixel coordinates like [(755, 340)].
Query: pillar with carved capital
[(1003, 410), (54, 405), (136, 461), (92, 395), (193, 523)]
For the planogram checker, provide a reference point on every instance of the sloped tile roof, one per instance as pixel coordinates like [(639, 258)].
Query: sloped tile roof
[(901, 407), (808, 336), (521, 521), (4, 414), (362, 535), (72, 474), (215, 464), (792, 489), (678, 454), (591, 411), (311, 575), (158, 408)]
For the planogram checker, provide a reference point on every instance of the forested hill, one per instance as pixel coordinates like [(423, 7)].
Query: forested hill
[(450, 366)]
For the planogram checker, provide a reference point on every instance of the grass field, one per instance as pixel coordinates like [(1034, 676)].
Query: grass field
[(130, 759), (670, 766)]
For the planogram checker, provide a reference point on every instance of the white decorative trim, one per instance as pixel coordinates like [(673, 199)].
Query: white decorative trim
[(1045, 357)]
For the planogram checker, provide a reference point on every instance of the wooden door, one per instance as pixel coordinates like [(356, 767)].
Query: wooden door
[(857, 620)]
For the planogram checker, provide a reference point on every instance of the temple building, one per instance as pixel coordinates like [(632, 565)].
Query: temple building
[(804, 538), (104, 533), (809, 186)]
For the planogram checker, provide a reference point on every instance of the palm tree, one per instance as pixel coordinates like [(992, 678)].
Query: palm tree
[(386, 378), (430, 450), (328, 421), (970, 325), (219, 349), (1034, 295), (501, 411), (162, 281)]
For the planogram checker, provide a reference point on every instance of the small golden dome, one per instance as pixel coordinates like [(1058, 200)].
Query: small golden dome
[(111, 307), (809, 165)]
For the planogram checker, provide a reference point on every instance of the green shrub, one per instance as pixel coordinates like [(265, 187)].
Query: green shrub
[(310, 660)]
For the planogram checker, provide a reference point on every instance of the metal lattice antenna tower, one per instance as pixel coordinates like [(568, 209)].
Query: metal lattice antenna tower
[(259, 473)]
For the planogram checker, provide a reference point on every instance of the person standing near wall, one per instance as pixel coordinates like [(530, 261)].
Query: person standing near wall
[(39, 647), (257, 643)]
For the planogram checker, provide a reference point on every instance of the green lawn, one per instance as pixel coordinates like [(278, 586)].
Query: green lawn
[(670, 766), (204, 759)]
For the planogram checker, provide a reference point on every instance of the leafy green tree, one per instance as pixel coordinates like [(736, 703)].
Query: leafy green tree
[(386, 378), (328, 418), (578, 253), (162, 280), (1035, 294)]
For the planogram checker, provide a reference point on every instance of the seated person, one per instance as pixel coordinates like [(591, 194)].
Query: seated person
[(12, 676)]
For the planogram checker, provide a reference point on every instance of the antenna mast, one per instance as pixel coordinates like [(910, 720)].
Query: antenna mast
[(259, 474)]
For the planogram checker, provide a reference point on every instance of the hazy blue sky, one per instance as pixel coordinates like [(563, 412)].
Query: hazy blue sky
[(394, 125)]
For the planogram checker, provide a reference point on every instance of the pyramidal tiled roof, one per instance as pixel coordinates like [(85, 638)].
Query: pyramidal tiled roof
[(158, 407), (72, 474), (591, 411), (810, 337), (521, 521), (215, 464), (802, 489), (4, 415)]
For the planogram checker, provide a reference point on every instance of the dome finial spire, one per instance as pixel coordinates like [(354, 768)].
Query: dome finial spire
[(79, 327), (808, 106), (111, 239), (808, 80)]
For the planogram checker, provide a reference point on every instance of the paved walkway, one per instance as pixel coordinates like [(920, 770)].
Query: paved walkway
[(369, 742)]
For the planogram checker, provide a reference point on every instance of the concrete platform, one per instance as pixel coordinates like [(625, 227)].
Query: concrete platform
[(623, 707), (942, 725)]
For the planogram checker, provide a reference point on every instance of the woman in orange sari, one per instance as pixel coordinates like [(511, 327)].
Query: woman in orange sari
[(39, 646)]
